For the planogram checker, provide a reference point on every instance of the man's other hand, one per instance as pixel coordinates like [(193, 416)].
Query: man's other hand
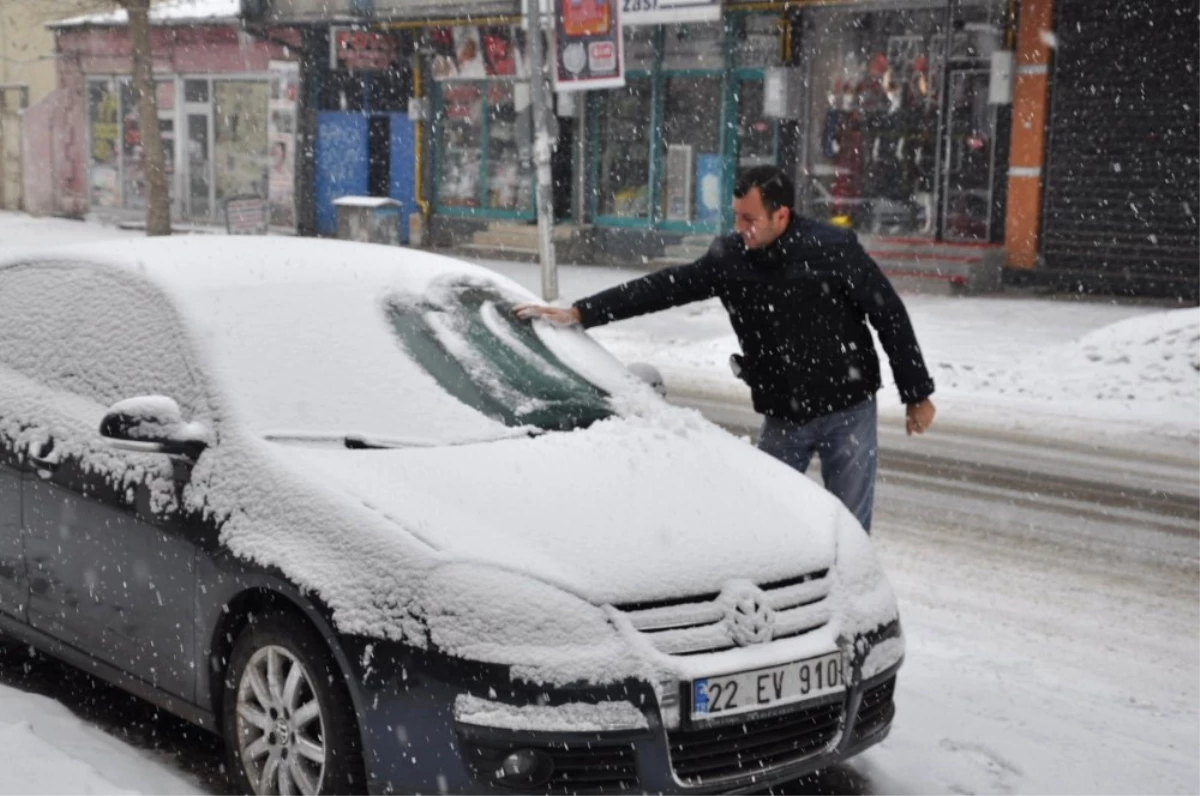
[(558, 315), (919, 417)]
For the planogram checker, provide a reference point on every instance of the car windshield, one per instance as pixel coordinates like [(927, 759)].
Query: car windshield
[(468, 339)]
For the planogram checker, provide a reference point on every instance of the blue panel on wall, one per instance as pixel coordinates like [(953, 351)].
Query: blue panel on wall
[(341, 163), (402, 159)]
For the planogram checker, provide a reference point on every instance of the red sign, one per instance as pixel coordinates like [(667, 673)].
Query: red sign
[(587, 45), (364, 50)]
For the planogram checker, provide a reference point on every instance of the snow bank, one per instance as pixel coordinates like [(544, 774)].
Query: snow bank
[(48, 750)]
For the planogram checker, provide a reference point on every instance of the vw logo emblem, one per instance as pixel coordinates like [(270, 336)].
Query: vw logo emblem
[(747, 615)]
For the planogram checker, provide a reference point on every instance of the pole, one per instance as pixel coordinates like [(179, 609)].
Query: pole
[(542, 146)]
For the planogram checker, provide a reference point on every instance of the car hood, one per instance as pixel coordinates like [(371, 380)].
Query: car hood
[(625, 511)]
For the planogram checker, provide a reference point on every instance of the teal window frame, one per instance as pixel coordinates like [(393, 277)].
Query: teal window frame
[(730, 75), (482, 211)]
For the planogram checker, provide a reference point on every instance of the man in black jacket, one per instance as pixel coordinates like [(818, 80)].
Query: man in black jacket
[(799, 294)]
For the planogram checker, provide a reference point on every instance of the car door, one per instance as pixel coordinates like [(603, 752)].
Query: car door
[(110, 567)]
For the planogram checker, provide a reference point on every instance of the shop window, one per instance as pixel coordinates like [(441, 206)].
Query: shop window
[(240, 130), (104, 131), (757, 136), (639, 48), (694, 46), (871, 147), (195, 91), (623, 156), (691, 148), (755, 39), (133, 176), (509, 135), (460, 145)]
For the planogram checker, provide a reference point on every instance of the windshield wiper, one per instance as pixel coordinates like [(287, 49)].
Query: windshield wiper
[(365, 442), (357, 442)]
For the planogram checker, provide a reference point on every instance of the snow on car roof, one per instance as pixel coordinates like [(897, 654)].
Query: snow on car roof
[(295, 331), (186, 262)]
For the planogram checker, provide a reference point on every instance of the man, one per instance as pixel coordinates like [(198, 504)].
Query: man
[(799, 294)]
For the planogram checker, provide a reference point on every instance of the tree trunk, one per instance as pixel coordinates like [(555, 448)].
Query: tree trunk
[(158, 199)]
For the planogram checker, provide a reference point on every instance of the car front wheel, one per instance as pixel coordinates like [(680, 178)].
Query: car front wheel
[(287, 716)]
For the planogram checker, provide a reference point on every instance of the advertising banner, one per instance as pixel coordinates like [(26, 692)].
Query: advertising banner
[(281, 142), (474, 52), (587, 45)]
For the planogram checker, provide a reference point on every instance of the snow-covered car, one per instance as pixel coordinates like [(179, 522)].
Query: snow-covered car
[(335, 502)]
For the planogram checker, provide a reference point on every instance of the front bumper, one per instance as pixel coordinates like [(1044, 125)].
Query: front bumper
[(414, 742)]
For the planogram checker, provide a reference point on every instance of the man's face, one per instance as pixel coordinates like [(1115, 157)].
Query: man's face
[(757, 226)]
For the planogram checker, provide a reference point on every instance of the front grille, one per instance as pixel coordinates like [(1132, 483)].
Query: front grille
[(755, 746), (697, 625), (876, 709), (579, 767)]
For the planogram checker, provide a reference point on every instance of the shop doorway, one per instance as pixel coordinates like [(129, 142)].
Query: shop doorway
[(197, 171), (968, 157)]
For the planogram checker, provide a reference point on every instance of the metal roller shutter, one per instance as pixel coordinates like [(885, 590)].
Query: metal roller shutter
[(1122, 177)]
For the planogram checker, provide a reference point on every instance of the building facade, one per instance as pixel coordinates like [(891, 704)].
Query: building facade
[(958, 137), (27, 76), (226, 107)]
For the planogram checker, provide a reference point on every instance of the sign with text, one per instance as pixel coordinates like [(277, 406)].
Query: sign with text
[(661, 12), (360, 50), (587, 45)]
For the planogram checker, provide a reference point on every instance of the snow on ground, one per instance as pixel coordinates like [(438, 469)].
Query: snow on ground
[(47, 749), (1031, 671)]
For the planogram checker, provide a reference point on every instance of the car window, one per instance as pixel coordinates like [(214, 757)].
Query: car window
[(468, 339), (99, 334)]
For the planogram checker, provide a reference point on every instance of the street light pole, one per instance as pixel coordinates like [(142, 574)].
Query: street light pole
[(542, 146)]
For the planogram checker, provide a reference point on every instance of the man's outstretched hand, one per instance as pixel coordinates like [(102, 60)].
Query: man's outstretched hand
[(919, 417), (563, 316)]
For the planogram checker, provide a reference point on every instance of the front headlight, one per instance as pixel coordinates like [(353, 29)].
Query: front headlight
[(491, 615)]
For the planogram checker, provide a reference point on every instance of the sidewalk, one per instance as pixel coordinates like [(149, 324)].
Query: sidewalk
[(1092, 372)]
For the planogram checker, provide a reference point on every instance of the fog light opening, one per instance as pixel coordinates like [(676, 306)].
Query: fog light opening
[(525, 768)]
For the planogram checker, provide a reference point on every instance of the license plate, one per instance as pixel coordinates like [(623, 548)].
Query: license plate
[(743, 692)]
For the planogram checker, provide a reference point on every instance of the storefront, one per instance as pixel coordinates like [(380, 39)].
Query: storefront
[(215, 140), (664, 150), (900, 134), (482, 122), (226, 110)]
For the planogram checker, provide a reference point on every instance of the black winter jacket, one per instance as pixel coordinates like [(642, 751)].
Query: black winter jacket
[(800, 308)]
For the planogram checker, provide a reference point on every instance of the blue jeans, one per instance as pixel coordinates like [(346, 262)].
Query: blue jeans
[(848, 444)]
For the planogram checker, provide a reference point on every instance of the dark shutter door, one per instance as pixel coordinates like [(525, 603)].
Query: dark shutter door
[(1122, 189)]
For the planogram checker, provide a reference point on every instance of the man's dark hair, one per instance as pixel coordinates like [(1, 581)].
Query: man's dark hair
[(774, 186)]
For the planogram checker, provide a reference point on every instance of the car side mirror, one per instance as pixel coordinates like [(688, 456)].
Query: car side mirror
[(649, 374), (153, 424)]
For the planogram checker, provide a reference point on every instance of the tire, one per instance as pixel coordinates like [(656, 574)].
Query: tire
[(287, 716)]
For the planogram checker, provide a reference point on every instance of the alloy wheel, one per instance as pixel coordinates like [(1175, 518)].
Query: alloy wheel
[(280, 726)]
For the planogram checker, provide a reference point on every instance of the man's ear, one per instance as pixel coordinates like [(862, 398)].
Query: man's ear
[(783, 215)]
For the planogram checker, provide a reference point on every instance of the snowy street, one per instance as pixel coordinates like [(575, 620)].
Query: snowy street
[(1043, 540)]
